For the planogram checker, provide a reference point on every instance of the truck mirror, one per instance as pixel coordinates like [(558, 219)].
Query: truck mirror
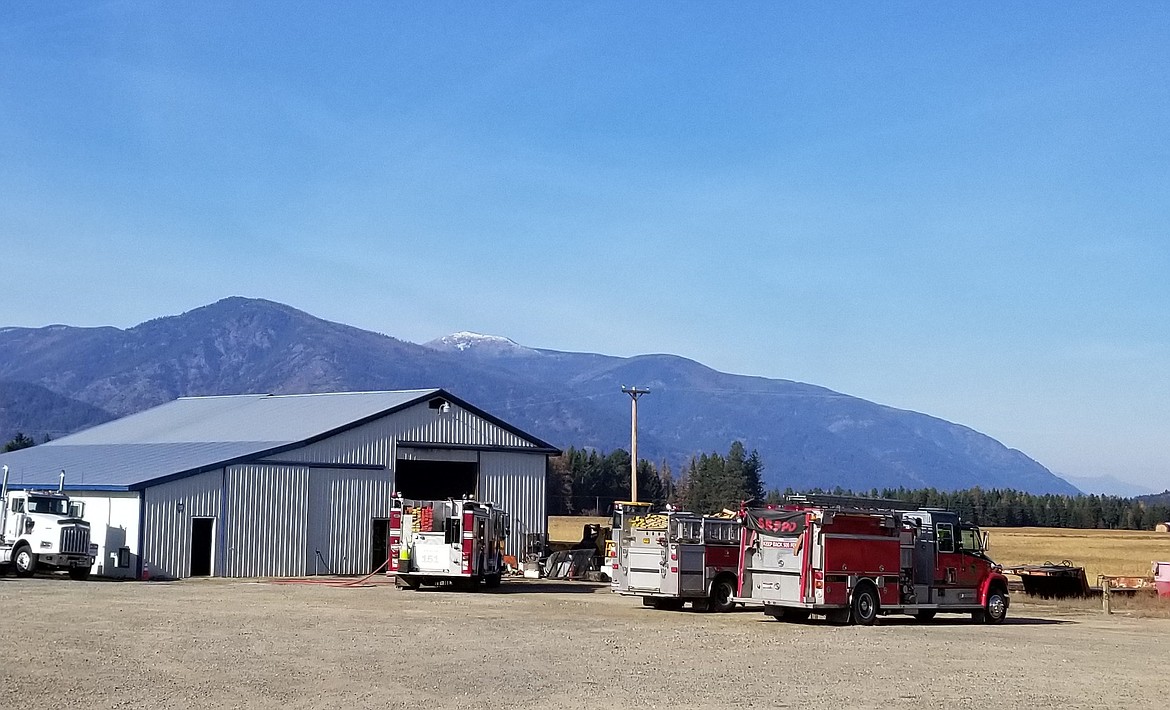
[(76, 509)]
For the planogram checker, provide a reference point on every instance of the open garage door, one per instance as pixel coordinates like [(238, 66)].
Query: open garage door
[(435, 480)]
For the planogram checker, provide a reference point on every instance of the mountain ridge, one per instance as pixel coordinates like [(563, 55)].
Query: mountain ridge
[(807, 435)]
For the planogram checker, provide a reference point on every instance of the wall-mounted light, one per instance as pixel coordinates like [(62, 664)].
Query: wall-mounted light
[(179, 507)]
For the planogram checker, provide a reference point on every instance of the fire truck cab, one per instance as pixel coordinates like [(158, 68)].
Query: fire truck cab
[(446, 541), (854, 559), (674, 557)]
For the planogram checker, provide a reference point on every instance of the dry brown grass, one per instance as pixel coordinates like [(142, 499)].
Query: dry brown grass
[(567, 528), (1112, 552)]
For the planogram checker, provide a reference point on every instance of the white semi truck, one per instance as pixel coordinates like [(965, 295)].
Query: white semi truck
[(43, 530)]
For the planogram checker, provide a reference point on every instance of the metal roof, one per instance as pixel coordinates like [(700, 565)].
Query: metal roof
[(194, 434)]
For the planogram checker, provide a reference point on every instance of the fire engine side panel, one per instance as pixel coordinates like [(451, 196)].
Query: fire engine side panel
[(691, 578), (864, 555), (113, 527), (515, 483), (166, 529)]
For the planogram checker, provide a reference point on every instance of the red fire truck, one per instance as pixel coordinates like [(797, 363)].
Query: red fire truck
[(853, 559), (674, 557), (454, 541)]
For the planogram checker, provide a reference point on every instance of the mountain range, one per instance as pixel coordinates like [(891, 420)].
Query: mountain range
[(57, 379)]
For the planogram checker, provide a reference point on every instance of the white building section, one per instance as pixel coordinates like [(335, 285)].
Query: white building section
[(283, 485)]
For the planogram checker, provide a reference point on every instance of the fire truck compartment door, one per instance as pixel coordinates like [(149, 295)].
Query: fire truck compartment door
[(646, 568), (692, 573), (431, 553)]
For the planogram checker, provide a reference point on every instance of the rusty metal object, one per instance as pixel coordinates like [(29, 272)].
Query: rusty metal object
[(1052, 581)]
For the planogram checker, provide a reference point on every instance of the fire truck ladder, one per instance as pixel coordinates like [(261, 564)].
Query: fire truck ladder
[(829, 500)]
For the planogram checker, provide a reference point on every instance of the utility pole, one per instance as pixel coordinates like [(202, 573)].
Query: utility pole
[(634, 393)]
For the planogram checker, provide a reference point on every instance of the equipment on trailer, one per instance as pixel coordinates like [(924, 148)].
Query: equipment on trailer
[(674, 557), (853, 559), (452, 541)]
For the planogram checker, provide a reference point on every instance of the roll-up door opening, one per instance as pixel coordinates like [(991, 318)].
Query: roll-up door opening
[(435, 480)]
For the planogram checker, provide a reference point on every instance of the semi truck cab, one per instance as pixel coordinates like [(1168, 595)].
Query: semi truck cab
[(43, 530)]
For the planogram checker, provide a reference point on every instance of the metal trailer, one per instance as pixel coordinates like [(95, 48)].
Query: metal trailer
[(853, 559), (456, 541), (676, 557)]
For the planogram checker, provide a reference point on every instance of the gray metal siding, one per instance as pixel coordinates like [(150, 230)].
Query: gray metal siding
[(267, 521), (169, 508), (374, 442), (342, 507), (516, 483)]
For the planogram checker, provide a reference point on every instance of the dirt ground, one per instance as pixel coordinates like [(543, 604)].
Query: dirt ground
[(235, 644)]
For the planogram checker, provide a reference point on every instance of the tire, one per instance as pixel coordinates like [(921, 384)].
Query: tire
[(925, 614), (492, 581), (79, 573), (996, 609), (24, 562), (722, 590), (864, 606)]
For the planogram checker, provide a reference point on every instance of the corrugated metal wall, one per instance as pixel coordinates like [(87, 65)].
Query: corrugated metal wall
[(373, 443), (166, 526), (516, 483), (342, 507), (267, 520)]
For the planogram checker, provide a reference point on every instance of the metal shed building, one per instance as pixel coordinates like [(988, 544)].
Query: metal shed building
[(282, 485)]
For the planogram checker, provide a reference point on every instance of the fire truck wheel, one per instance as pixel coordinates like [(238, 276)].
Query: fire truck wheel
[(996, 609), (491, 581), (865, 604), (722, 590), (25, 562)]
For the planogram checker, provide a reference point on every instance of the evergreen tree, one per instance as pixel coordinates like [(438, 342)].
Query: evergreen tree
[(20, 441)]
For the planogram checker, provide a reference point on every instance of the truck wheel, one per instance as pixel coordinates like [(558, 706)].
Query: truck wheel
[(25, 562), (996, 609), (491, 581), (79, 573), (648, 601), (722, 590), (865, 605)]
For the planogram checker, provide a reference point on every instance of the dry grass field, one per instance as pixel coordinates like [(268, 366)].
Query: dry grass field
[(567, 528), (1112, 552)]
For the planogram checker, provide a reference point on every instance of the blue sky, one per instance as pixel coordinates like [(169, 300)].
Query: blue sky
[(960, 210)]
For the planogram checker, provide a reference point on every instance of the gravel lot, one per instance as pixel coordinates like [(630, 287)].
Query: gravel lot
[(233, 644)]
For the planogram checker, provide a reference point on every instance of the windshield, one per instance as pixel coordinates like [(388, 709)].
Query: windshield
[(971, 540), (49, 506)]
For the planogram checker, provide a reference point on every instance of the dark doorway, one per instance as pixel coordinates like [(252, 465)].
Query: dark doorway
[(435, 480), (379, 549), (202, 530)]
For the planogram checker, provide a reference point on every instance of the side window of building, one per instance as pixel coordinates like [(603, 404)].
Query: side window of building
[(946, 537)]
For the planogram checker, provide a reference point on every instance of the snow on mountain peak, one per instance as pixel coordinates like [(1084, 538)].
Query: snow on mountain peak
[(466, 340)]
